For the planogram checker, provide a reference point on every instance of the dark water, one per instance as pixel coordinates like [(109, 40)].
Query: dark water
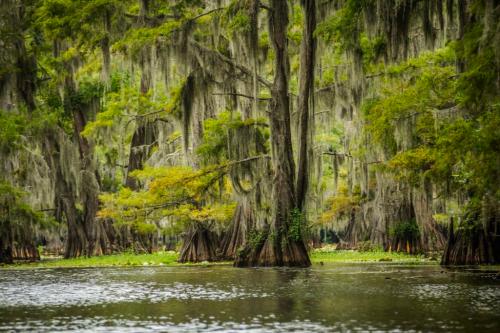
[(340, 297)]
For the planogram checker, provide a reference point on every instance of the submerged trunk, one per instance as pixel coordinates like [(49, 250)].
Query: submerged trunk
[(5, 254), (26, 251), (471, 248), (199, 244), (275, 245), (237, 234), (475, 243), (6, 244), (16, 235)]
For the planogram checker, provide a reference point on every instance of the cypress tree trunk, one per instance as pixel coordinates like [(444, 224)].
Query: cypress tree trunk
[(18, 76), (306, 84), (65, 198), (105, 48), (475, 244), (6, 242), (275, 247), (5, 254), (199, 244), (94, 231), (237, 234), (90, 190)]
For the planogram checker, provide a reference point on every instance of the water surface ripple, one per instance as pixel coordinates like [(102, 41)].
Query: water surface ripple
[(340, 297)]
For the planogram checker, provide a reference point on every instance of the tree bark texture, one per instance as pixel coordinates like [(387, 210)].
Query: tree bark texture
[(306, 84), (277, 248)]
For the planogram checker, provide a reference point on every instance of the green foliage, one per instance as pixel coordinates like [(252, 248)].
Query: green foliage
[(19, 127), (409, 165), (372, 49), (295, 27), (256, 238), (236, 17), (217, 133), (186, 15), (143, 229), (89, 90), (177, 94), (343, 26), (169, 258), (431, 120), (240, 22), (477, 86), (326, 255), (368, 246), (124, 103), (12, 128), (83, 21), (296, 225), (452, 150), (14, 211), (137, 39), (406, 230), (123, 259), (413, 90), (181, 193), (340, 205)]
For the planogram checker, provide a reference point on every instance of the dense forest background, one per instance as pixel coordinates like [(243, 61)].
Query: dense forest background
[(250, 130)]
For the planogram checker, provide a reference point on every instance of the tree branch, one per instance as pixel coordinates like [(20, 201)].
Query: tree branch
[(324, 111), (205, 14), (243, 95), (152, 19), (334, 153), (266, 7), (230, 62), (330, 87), (149, 114)]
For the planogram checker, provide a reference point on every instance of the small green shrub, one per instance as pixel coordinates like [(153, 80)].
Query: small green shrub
[(297, 221), (405, 230), (256, 238)]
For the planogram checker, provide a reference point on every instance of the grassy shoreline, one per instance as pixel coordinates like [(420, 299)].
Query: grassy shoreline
[(169, 258)]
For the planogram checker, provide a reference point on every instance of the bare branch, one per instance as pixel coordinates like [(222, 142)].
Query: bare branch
[(324, 111), (205, 14), (243, 95), (334, 153), (149, 114), (266, 7), (159, 19), (330, 87)]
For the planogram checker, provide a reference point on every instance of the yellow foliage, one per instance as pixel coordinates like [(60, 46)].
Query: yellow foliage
[(217, 212), (178, 192), (340, 205)]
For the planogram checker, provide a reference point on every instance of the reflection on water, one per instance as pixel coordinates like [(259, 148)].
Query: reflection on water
[(183, 299)]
